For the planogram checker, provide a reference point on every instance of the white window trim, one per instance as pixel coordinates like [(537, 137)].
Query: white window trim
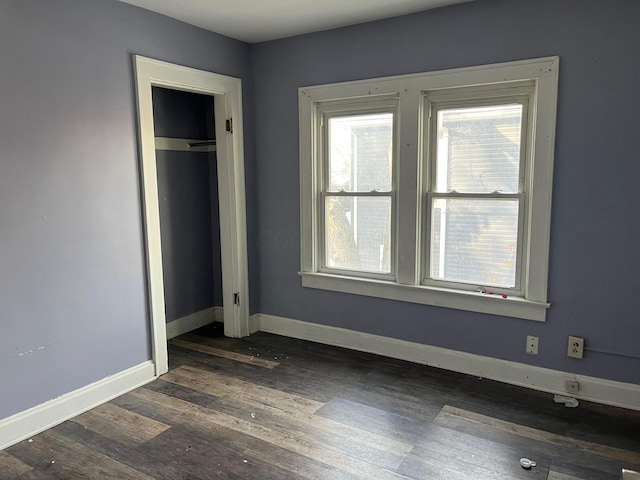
[(410, 90)]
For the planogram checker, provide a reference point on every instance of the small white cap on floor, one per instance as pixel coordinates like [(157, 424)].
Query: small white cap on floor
[(526, 463)]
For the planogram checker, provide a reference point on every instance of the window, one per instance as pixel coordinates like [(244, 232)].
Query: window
[(356, 198), (432, 188)]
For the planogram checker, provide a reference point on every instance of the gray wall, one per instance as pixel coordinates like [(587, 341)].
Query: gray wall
[(72, 279), (594, 281)]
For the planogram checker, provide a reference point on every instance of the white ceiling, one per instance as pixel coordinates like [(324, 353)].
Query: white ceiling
[(260, 20)]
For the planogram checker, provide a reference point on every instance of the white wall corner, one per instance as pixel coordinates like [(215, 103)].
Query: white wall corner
[(30, 422), (594, 389)]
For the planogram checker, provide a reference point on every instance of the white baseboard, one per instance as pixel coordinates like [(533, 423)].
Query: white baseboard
[(195, 320), (30, 422), (594, 389)]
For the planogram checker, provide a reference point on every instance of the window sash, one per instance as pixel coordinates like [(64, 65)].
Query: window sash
[(427, 279), (341, 109), (470, 97), (323, 250)]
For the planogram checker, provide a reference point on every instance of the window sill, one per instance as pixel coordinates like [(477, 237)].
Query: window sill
[(516, 307)]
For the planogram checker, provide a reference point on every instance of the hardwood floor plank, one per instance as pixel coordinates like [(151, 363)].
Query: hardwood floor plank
[(130, 456), (205, 459), (62, 458), (516, 404), (233, 439), (561, 476), (584, 469), (547, 437), (251, 360), (222, 385), (464, 455), (498, 431), (11, 467), (602, 424), (454, 469), (323, 384), (373, 420), (33, 475), (190, 395), (362, 445), (279, 409), (198, 417), (231, 345), (120, 425)]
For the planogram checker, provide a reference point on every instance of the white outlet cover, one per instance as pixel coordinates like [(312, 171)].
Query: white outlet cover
[(532, 345)]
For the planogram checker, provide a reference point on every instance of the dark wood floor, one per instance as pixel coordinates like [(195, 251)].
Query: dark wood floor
[(269, 407)]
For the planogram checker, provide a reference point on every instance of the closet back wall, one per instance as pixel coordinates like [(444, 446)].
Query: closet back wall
[(189, 216)]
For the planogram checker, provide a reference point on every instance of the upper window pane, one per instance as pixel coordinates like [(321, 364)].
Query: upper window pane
[(360, 152), (478, 149)]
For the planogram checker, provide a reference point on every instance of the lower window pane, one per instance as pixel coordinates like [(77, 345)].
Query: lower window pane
[(475, 241), (358, 233)]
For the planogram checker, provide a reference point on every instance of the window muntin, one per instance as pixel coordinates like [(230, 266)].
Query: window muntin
[(356, 195)]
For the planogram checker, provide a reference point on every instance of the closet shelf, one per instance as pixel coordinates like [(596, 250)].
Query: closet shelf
[(185, 144)]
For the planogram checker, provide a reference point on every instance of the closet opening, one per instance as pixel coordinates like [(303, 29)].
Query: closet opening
[(188, 203)]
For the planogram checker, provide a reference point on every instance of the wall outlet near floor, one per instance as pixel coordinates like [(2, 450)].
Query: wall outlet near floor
[(572, 386), (532, 345), (575, 349)]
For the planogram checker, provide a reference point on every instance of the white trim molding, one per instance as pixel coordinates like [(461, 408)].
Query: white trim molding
[(231, 192), (218, 314), (30, 422), (516, 307), (593, 389), (190, 322)]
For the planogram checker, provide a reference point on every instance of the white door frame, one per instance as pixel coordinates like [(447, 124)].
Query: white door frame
[(231, 191)]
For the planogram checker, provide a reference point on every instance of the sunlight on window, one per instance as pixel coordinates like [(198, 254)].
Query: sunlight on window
[(357, 225), (474, 240)]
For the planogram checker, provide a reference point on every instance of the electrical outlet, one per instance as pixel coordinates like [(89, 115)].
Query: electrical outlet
[(532, 345), (572, 386), (575, 348)]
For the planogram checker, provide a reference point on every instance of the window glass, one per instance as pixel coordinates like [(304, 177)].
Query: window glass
[(360, 152), (478, 149), (358, 233), (474, 241)]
